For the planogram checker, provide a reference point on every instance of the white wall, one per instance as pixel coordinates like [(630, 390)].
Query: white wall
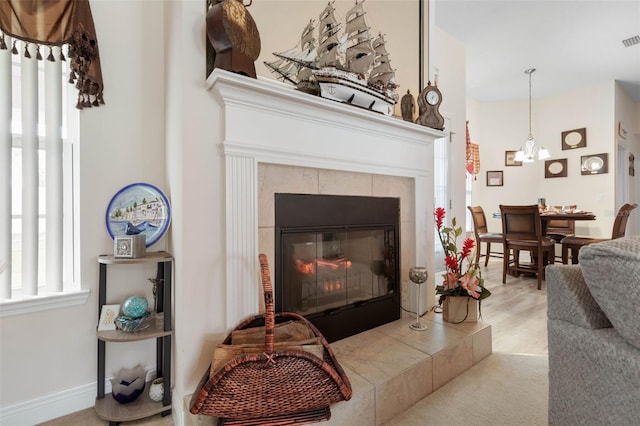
[(449, 58), (122, 142), (627, 115), (157, 127), (158, 123), (501, 126)]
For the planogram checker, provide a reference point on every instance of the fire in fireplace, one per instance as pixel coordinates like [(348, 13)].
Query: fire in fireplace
[(337, 261)]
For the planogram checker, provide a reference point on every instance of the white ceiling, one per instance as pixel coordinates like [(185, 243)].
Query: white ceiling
[(571, 43)]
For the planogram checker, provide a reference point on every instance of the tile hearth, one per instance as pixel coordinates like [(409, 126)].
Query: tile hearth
[(392, 367)]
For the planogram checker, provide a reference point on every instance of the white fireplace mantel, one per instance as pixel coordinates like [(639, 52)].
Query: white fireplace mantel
[(265, 121)]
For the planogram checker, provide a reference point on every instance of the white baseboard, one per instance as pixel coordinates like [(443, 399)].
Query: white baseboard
[(56, 405), (49, 407)]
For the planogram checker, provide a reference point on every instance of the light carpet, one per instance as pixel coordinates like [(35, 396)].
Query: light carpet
[(503, 389)]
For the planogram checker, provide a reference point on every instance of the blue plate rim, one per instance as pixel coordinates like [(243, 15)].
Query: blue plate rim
[(165, 225)]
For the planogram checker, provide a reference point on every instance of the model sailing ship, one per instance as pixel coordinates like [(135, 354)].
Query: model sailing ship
[(345, 66)]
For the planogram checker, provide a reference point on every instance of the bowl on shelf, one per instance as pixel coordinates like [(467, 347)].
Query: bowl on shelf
[(131, 325), (128, 384)]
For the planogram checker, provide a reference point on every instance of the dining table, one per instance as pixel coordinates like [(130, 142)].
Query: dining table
[(546, 216)]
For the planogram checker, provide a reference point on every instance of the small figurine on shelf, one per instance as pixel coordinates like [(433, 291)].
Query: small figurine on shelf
[(156, 283), (128, 384), (408, 107)]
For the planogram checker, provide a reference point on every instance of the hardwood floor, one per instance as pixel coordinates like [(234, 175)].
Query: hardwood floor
[(517, 311)]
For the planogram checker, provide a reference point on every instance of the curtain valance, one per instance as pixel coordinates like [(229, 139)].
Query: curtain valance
[(56, 23), (473, 156)]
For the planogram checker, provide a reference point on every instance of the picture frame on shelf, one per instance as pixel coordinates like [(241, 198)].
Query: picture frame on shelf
[(555, 168), (594, 164), (108, 315), (494, 178), (510, 159), (576, 138)]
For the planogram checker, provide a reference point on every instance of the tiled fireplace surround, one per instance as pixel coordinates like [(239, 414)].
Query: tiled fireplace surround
[(296, 143)]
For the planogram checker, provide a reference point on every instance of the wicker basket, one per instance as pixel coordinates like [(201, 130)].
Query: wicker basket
[(285, 387)]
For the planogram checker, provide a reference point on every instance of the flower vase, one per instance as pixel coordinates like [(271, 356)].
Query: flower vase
[(457, 309), (156, 391)]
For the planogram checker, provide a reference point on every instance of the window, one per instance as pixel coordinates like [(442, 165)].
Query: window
[(37, 164), (441, 189)]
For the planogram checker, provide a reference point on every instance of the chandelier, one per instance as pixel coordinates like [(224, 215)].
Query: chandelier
[(530, 151)]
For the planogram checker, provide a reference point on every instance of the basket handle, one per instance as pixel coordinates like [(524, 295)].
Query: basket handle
[(269, 315)]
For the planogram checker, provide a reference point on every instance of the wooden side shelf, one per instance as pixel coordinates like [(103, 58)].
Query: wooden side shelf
[(121, 336), (107, 408)]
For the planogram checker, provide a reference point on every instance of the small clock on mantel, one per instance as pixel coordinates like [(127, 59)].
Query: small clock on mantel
[(429, 102)]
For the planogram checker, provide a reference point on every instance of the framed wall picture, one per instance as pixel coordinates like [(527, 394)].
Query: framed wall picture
[(494, 178), (576, 138), (510, 159), (555, 168), (108, 316), (622, 132), (595, 164)]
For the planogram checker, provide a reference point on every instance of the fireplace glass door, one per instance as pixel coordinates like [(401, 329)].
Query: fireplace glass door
[(337, 261), (325, 271)]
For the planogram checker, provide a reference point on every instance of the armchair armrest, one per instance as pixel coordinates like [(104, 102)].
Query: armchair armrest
[(569, 299)]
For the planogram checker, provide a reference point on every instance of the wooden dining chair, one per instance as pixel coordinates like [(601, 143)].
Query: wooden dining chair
[(483, 235), (522, 231), (557, 229), (573, 244)]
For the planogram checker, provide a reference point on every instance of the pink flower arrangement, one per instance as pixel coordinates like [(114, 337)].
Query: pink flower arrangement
[(462, 276)]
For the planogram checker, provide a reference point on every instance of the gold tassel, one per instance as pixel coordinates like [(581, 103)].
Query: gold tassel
[(38, 54), (14, 50), (50, 58), (62, 58), (3, 43), (26, 51)]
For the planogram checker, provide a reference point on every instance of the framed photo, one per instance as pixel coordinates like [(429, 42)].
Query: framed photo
[(576, 138), (622, 132), (595, 164), (108, 316), (555, 168), (494, 178), (510, 159)]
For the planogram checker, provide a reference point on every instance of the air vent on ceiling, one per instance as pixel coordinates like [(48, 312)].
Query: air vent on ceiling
[(631, 41)]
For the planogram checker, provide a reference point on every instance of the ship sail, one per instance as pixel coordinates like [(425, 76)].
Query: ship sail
[(284, 70), (382, 74), (344, 63), (359, 54), (307, 40), (329, 42), (294, 64)]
